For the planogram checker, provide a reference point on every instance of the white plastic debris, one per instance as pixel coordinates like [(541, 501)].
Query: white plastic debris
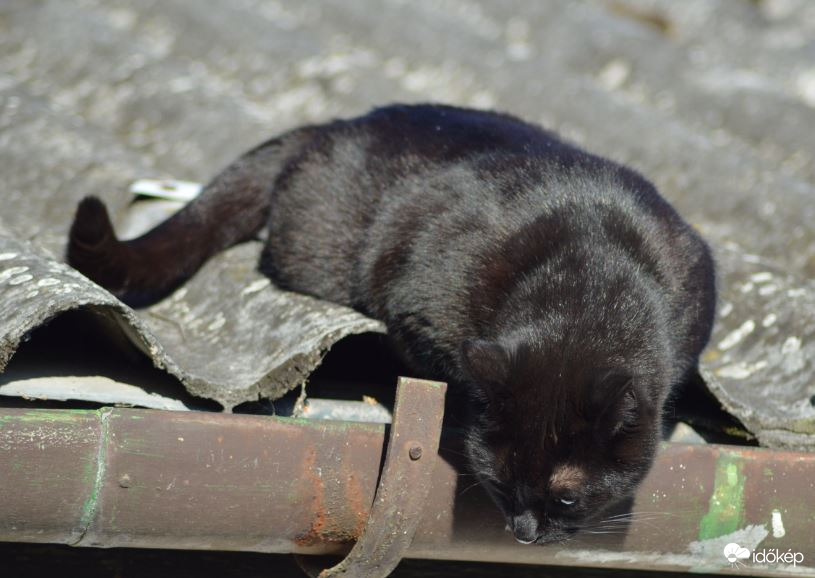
[(172, 190)]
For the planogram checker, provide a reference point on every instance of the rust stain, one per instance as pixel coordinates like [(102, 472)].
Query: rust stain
[(356, 499), (313, 480), (323, 528)]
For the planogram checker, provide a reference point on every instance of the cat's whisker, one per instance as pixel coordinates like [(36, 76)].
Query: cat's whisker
[(471, 486), (624, 522), (632, 519), (661, 512), (602, 527), (630, 522), (640, 513)]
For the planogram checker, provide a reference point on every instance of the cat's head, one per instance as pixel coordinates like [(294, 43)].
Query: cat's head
[(556, 442)]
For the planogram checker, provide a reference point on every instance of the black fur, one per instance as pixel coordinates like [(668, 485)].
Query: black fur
[(557, 288)]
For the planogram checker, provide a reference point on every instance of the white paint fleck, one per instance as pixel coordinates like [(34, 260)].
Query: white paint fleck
[(761, 277), (726, 309), (734, 80), (32, 294), (483, 99), (778, 525), (335, 63), (747, 287), (255, 286), (122, 19), (7, 256), (769, 320), (740, 370), (180, 294), (791, 345), (48, 282), (517, 35), (805, 85), (796, 293), (614, 74), (7, 274), (748, 537), (219, 322), (703, 555), (734, 337), (793, 358), (767, 289), (20, 279)]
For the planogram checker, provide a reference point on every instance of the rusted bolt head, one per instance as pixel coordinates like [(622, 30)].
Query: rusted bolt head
[(415, 452), (124, 481)]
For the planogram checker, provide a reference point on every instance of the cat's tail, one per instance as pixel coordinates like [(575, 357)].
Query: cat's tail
[(231, 209)]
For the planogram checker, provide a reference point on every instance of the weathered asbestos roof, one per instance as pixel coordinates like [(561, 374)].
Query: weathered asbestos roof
[(228, 335), (712, 100)]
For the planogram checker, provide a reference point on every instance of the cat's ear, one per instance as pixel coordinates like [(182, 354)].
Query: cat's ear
[(619, 403), (485, 362)]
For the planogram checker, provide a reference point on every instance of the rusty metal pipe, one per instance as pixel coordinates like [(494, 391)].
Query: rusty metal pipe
[(190, 480)]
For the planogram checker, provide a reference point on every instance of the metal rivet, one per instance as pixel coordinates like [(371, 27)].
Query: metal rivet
[(415, 452)]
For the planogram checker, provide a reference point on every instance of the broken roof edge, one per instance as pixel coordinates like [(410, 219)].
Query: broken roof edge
[(281, 365)]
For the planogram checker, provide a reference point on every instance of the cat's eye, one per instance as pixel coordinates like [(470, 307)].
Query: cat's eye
[(565, 502)]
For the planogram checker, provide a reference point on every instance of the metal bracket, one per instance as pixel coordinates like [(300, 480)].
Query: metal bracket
[(403, 485)]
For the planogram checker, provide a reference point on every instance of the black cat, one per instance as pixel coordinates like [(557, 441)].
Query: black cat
[(557, 288)]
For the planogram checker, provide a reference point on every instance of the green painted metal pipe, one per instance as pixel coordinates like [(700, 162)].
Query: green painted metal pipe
[(193, 480)]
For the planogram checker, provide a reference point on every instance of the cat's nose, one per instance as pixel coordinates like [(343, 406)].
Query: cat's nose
[(525, 527)]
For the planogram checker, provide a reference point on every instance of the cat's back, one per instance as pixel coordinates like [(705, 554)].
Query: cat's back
[(441, 133), (489, 198), (399, 209), (358, 182)]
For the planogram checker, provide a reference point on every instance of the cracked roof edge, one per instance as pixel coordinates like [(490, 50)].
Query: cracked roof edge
[(37, 289)]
